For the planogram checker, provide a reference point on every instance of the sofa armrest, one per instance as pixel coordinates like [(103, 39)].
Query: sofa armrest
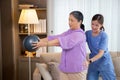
[(36, 74)]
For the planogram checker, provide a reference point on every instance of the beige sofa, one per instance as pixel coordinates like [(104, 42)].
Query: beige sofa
[(51, 60)]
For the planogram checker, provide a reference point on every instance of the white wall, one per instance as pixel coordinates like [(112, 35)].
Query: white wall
[(58, 13)]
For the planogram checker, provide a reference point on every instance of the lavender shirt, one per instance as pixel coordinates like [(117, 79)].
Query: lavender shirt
[(73, 44)]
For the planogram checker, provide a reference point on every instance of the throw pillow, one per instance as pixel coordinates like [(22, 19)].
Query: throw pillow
[(116, 62), (54, 70), (44, 71)]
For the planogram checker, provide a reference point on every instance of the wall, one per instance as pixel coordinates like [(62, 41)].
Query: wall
[(6, 40), (0, 49), (62, 8), (15, 30), (50, 20)]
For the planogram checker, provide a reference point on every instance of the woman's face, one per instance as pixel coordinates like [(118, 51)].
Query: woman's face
[(73, 22), (96, 26)]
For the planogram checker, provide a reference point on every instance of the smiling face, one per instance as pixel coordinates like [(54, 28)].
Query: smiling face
[(74, 23), (95, 25)]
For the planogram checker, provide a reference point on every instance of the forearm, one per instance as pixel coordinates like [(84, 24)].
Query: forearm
[(45, 42), (54, 42), (98, 56), (44, 39)]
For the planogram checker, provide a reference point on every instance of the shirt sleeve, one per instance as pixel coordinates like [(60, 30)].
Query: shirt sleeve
[(69, 41), (55, 36), (104, 42)]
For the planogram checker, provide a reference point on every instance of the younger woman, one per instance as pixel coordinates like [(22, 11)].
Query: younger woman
[(99, 59)]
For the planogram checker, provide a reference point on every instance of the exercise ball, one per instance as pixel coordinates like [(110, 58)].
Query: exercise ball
[(28, 40)]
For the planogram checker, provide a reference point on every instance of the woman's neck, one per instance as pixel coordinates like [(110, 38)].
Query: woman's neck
[(95, 33), (75, 28)]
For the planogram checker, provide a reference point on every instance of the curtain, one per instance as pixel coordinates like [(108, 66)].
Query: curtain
[(108, 8)]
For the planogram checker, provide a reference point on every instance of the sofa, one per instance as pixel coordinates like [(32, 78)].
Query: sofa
[(47, 69)]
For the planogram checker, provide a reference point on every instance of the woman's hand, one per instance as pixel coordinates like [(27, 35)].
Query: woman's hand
[(86, 63), (43, 43), (39, 44)]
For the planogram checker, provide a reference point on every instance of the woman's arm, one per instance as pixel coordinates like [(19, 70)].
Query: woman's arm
[(98, 56), (44, 42), (54, 42), (44, 39)]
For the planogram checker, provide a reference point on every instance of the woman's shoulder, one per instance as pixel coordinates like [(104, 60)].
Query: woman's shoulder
[(103, 33)]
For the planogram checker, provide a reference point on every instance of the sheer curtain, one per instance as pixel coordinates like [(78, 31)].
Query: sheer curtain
[(58, 13), (118, 46)]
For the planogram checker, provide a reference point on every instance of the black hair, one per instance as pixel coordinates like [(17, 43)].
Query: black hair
[(100, 20), (79, 16)]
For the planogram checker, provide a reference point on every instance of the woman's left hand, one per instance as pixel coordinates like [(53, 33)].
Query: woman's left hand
[(38, 44)]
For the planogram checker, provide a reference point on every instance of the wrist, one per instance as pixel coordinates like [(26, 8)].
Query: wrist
[(90, 60)]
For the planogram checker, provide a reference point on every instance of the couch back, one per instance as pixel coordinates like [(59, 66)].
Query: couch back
[(55, 57), (50, 57)]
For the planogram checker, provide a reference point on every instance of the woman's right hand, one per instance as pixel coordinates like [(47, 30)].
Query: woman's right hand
[(86, 63)]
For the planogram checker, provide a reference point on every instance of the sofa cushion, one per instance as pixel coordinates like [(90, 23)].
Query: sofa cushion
[(50, 57), (44, 71), (114, 54), (54, 71), (118, 78), (116, 62)]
